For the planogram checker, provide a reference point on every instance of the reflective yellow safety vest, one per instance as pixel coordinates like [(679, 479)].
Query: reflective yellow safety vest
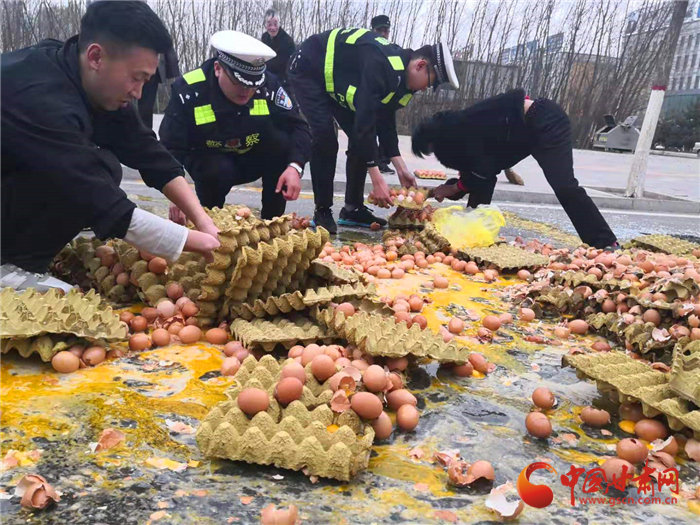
[(342, 76)]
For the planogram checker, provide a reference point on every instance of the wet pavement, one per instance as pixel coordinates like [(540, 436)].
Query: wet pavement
[(159, 476)]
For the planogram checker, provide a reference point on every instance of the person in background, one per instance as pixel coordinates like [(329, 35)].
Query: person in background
[(381, 25), (168, 68), (499, 132), (354, 77), (68, 123), (281, 43), (230, 122)]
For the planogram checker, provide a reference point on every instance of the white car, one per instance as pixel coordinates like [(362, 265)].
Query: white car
[(696, 149)]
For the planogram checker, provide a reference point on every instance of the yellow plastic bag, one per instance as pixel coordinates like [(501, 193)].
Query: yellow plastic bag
[(469, 228)]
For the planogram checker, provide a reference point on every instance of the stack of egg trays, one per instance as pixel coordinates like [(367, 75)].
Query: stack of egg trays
[(628, 380), (306, 434), (47, 323)]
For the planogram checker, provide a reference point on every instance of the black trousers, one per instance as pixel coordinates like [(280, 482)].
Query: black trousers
[(214, 175), (551, 147), (320, 111), (148, 100)]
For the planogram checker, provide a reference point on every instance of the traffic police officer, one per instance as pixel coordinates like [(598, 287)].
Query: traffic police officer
[(359, 78), (230, 123)]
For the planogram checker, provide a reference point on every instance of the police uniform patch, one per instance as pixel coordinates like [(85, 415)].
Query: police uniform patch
[(282, 99)]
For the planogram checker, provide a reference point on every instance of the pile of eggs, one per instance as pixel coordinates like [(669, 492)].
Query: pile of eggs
[(402, 197), (78, 356), (108, 257)]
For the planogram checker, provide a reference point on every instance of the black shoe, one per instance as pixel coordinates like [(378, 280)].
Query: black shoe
[(324, 217), (361, 216), (614, 247), (384, 168)]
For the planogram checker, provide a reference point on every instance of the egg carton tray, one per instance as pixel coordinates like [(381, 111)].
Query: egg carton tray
[(680, 294), (410, 205), (504, 257), (579, 278), (326, 444), (30, 313), (559, 299), (380, 335), (403, 218), (430, 174), (685, 370), (298, 301), (46, 346), (628, 380), (266, 373), (433, 240), (331, 273), (639, 336), (664, 243), (285, 331)]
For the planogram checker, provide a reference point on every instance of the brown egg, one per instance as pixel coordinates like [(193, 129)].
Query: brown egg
[(150, 314), (103, 250), (578, 326), (253, 400), (397, 398), (94, 355), (271, 515), (174, 329), (189, 310), (139, 342), (65, 362), (384, 273), (524, 275), (484, 333), (465, 370), (538, 425), (288, 389), (490, 275), (160, 337), (190, 334), (123, 279), (526, 314), (632, 450), (396, 381), (407, 417), (174, 291), (601, 346), (230, 366), (608, 306), (631, 412), (157, 265), (456, 325), (650, 429), (126, 317), (374, 378), (360, 364), (594, 417), (216, 336), (562, 332), (441, 282), (138, 324), (613, 467), (491, 322), (309, 353), (672, 447), (398, 363), (382, 427), (420, 320), (416, 304), (543, 398), (166, 308), (366, 405), (241, 354), (652, 316), (77, 350), (294, 370), (322, 367), (397, 273), (479, 363), (505, 318), (231, 348), (346, 309)]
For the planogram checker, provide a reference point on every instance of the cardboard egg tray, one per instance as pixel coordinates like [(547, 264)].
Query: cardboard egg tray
[(430, 174), (298, 301), (680, 294), (579, 278), (504, 257), (433, 240), (26, 316), (628, 380), (46, 346), (285, 331), (305, 434), (639, 336), (410, 205), (331, 273), (685, 370), (559, 299), (408, 218), (664, 243), (380, 335)]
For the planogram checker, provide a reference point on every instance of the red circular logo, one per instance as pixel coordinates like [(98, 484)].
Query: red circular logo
[(538, 496)]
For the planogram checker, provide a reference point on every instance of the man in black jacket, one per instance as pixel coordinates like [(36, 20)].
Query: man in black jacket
[(67, 123), (230, 122), (381, 25), (358, 78), (497, 133), (281, 43)]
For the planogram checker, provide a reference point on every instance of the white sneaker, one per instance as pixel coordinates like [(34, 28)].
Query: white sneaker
[(14, 277)]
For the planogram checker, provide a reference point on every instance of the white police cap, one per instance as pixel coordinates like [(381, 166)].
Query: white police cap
[(244, 56)]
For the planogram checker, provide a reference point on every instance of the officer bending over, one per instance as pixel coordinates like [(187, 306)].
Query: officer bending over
[(230, 123), (67, 123)]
